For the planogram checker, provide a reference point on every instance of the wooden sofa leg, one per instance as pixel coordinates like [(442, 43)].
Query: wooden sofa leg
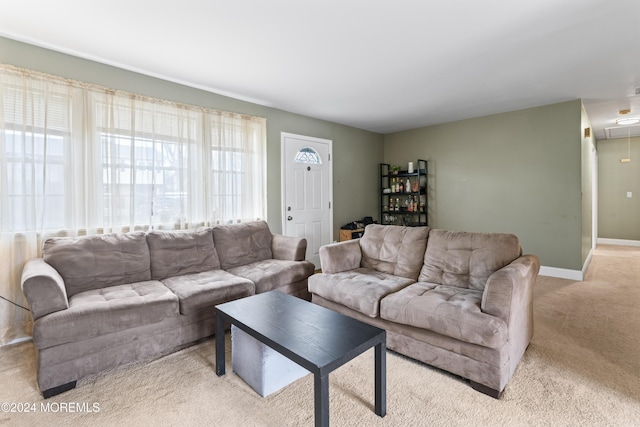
[(59, 389), (496, 394)]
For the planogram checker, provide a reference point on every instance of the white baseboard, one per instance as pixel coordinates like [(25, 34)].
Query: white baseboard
[(619, 242), (565, 273), (561, 273)]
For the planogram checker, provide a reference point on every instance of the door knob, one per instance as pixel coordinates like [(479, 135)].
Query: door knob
[(289, 218)]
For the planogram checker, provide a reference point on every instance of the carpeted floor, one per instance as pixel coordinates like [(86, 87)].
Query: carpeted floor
[(582, 369)]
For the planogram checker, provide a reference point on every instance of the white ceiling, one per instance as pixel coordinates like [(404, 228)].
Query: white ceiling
[(384, 66)]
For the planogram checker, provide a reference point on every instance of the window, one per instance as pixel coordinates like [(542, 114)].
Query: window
[(82, 157), (34, 145), (28, 180), (308, 155), (145, 159)]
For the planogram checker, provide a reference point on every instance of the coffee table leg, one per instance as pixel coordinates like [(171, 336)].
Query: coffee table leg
[(321, 398), (220, 368), (381, 379)]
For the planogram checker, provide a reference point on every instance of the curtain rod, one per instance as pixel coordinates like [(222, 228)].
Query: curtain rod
[(25, 72)]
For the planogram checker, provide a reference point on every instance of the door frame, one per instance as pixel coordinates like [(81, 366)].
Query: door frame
[(283, 178)]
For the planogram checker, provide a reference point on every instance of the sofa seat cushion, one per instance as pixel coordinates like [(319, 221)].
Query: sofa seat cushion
[(447, 310), (274, 273), (104, 311), (360, 289), (204, 290)]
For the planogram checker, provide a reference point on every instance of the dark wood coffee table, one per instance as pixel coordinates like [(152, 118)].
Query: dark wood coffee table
[(318, 339)]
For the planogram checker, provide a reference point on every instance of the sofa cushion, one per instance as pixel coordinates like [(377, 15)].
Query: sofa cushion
[(273, 273), (98, 261), (446, 310), (241, 244), (103, 311), (204, 290), (360, 289), (179, 252), (466, 260), (394, 249)]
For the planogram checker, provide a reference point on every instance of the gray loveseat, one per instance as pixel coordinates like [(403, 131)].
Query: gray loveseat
[(104, 300), (462, 302)]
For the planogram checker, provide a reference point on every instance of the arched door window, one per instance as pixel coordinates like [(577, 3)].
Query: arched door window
[(308, 155)]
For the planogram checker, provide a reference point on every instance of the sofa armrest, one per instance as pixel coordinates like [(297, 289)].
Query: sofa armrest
[(341, 256), (510, 289), (289, 248), (44, 288)]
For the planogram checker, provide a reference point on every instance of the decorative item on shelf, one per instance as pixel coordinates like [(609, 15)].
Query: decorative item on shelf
[(410, 167), (394, 169)]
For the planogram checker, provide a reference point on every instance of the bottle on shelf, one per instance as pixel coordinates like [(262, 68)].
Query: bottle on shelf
[(407, 187)]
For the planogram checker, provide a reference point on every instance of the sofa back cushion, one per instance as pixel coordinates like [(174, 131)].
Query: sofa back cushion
[(180, 252), (100, 261), (466, 260), (242, 244), (394, 249)]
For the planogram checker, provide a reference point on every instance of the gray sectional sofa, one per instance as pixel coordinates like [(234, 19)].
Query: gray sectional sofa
[(459, 301), (104, 300)]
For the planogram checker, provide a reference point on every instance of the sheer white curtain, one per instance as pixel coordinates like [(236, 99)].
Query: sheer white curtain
[(81, 159)]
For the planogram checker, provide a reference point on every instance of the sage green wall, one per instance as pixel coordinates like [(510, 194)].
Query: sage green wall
[(356, 153), (618, 215), (516, 172), (588, 163)]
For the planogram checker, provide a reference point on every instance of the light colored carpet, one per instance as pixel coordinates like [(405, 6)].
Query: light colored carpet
[(582, 369)]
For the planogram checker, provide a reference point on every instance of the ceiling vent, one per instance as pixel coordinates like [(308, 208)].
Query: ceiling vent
[(621, 132), (638, 90)]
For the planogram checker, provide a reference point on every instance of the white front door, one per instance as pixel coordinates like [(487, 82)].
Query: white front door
[(307, 191)]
